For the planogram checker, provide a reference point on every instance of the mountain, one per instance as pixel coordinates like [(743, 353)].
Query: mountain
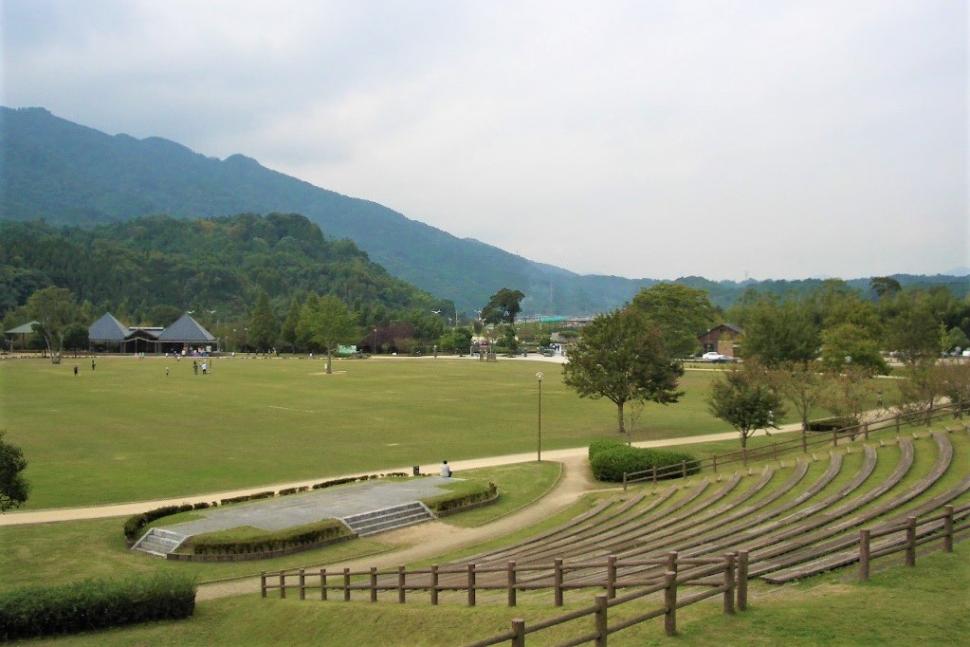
[(69, 174), (161, 264)]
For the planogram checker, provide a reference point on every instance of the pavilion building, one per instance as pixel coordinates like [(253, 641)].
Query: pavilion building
[(109, 334)]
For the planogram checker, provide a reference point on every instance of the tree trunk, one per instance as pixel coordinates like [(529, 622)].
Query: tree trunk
[(619, 417), (744, 447), (329, 361)]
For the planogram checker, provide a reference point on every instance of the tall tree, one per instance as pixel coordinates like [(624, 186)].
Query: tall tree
[(681, 313), (912, 328), (744, 398), (622, 357), (54, 309), (288, 332), (13, 487), (776, 333), (884, 286), (262, 323), (503, 306), (851, 344), (803, 386), (326, 323)]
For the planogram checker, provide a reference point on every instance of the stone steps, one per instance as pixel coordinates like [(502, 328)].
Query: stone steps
[(159, 542), (375, 521)]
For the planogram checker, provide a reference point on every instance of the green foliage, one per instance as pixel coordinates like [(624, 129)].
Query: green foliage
[(54, 309), (262, 324), (13, 487), (848, 343), (325, 323), (913, 326), (745, 399), (94, 604), (503, 306), (779, 332), (463, 493), (457, 340), (681, 314), (621, 357), (135, 524), (609, 463), (230, 542), (603, 444)]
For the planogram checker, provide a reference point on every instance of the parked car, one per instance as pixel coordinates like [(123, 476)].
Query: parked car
[(715, 357)]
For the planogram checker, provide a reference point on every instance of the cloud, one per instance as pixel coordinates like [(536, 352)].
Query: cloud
[(641, 139)]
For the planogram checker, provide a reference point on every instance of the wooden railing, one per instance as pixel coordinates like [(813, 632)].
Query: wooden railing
[(932, 531), (775, 449), (734, 590)]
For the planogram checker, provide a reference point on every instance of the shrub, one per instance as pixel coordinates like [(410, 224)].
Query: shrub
[(136, 524), (603, 444), (830, 424), (94, 604), (610, 464), (248, 497), (224, 543), (466, 493)]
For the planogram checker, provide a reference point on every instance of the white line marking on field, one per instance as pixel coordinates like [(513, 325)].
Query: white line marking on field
[(273, 406)]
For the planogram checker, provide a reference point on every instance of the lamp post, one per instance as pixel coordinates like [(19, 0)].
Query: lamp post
[(539, 438)]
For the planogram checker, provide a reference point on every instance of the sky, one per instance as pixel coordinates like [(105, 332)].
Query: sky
[(734, 139)]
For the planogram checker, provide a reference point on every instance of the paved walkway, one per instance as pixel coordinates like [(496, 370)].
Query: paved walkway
[(309, 507), (127, 509)]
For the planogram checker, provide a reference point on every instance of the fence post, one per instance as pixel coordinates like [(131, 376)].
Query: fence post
[(714, 462), (302, 585), (742, 580), (518, 632), (624, 481), (911, 541), (471, 585), (835, 438), (897, 425), (865, 431), (804, 441), (282, 584), (557, 582), (683, 469), (323, 584), (373, 584), (346, 585), (729, 583), (401, 595), (601, 620), (434, 584), (654, 474), (948, 529), (672, 561), (511, 582), (670, 603), (611, 576), (262, 584), (864, 555)]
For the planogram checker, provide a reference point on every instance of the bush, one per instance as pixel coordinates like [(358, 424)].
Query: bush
[(830, 424), (94, 604), (466, 493), (248, 497), (603, 444), (224, 543), (609, 464), (136, 524)]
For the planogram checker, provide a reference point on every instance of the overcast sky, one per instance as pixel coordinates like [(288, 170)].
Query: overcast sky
[(644, 139)]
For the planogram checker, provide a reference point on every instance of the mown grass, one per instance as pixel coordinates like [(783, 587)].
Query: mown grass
[(901, 606), (518, 486), (126, 432)]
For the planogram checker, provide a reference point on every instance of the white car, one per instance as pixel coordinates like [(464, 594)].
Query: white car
[(714, 357)]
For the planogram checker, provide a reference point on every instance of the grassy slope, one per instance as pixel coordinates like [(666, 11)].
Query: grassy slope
[(122, 432)]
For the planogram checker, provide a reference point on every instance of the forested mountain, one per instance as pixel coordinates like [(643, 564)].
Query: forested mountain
[(159, 264), (69, 174)]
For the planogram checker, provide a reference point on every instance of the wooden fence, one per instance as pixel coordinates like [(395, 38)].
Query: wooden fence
[(938, 527), (775, 449)]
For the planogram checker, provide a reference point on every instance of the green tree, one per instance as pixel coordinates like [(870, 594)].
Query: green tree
[(621, 357), (745, 399), (803, 386), (503, 306), (955, 338), (76, 337), (262, 324), (54, 309), (288, 332), (681, 313), (777, 333), (912, 328), (326, 323), (13, 487), (884, 286), (848, 393), (851, 344)]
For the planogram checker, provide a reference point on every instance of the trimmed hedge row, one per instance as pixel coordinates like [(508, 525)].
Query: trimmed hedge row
[(354, 479), (609, 463), (135, 524), (830, 424), (218, 543), (94, 604), (269, 494), (469, 494)]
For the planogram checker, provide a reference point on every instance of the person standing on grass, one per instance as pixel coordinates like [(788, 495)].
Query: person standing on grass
[(75, 370), (195, 367), (92, 363)]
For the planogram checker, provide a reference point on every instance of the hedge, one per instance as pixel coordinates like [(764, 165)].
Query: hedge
[(466, 493), (248, 497), (603, 444), (830, 424), (609, 464), (223, 543), (94, 604), (136, 524)]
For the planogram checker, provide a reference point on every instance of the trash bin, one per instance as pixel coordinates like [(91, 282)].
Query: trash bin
[(416, 470)]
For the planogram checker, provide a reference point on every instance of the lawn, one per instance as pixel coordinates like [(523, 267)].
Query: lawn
[(128, 432)]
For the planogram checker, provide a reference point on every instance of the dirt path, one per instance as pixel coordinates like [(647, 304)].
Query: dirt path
[(436, 538), (126, 509)]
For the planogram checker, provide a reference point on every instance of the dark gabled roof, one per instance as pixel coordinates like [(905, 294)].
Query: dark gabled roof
[(186, 330), (24, 329), (731, 327), (107, 328)]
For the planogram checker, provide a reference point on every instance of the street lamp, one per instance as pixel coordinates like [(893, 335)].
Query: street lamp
[(539, 440)]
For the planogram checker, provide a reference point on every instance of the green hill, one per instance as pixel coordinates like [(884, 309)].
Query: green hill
[(217, 264)]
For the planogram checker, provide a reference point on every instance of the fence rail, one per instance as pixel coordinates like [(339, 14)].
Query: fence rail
[(775, 449), (933, 530)]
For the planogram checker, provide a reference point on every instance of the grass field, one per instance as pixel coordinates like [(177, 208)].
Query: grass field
[(126, 432)]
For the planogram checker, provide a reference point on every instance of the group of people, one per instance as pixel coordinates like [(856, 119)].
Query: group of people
[(93, 366)]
